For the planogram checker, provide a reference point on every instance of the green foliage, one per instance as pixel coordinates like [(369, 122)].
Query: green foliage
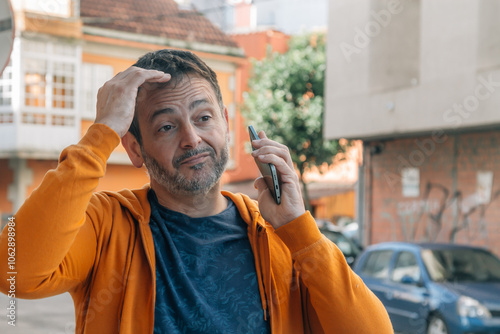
[(285, 99)]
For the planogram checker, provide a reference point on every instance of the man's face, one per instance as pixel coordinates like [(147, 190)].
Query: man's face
[(184, 136)]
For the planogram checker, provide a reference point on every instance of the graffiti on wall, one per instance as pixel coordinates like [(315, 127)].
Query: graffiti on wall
[(442, 215)]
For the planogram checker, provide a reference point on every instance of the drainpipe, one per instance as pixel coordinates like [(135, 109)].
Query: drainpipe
[(454, 187), (363, 198)]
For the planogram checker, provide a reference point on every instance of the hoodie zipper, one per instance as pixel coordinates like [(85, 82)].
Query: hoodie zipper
[(265, 272), (151, 260)]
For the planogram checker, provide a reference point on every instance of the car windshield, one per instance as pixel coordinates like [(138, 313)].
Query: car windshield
[(461, 265)]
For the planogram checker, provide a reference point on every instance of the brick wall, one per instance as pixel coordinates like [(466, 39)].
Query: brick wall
[(452, 203)]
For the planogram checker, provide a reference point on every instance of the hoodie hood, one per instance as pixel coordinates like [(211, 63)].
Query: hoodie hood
[(135, 201), (248, 208)]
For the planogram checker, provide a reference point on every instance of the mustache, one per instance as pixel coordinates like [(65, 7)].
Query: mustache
[(178, 161)]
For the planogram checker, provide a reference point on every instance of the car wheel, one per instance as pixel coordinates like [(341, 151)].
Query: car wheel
[(436, 326)]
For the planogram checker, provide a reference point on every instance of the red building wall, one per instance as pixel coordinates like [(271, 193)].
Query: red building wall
[(447, 207)]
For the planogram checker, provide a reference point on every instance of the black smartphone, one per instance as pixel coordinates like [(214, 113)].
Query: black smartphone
[(268, 171)]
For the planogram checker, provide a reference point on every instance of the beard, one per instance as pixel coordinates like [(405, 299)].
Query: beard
[(205, 174)]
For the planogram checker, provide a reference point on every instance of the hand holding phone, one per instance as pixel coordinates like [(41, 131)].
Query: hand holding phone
[(268, 171)]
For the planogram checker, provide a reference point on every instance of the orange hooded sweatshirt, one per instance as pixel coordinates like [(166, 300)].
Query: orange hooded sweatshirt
[(99, 247)]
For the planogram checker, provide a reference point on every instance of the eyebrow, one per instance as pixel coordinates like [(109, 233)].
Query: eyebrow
[(160, 112), (192, 106), (196, 103)]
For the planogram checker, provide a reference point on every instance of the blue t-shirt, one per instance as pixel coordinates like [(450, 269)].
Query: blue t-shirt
[(205, 273)]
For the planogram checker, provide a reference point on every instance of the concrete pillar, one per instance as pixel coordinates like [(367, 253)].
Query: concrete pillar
[(23, 178), (360, 202)]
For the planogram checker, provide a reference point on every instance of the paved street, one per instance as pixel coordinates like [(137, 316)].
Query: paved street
[(54, 315)]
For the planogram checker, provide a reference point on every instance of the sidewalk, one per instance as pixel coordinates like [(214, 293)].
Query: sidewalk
[(54, 315)]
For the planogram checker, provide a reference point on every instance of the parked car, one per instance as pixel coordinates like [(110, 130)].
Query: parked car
[(352, 232), (349, 248), (434, 288)]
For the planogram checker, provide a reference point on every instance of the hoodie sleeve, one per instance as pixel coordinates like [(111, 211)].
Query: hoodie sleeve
[(55, 241), (337, 300)]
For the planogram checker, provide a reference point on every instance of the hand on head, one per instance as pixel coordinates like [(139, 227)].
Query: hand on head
[(116, 100)]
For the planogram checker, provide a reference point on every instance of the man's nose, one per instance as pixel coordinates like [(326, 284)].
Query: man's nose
[(189, 136)]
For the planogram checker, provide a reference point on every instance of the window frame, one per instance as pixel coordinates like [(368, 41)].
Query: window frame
[(60, 61), (93, 77), (395, 267), (367, 262)]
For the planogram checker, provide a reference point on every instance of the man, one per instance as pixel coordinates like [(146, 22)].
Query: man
[(179, 255)]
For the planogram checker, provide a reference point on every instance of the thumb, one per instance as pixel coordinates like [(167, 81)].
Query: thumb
[(260, 184), (264, 194)]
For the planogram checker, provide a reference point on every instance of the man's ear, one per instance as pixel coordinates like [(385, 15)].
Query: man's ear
[(133, 149)]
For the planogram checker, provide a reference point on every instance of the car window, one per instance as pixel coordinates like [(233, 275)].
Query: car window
[(461, 264), (406, 265), (377, 264)]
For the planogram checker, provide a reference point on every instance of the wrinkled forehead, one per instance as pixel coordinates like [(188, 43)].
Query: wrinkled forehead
[(176, 83), (152, 96)]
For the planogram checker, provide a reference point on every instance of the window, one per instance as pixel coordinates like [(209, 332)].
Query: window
[(36, 83), (406, 266), (35, 75), (50, 7), (93, 77), (6, 114), (6, 86), (63, 94), (377, 264), (49, 72), (461, 264)]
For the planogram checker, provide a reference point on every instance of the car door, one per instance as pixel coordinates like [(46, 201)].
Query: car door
[(374, 270), (408, 301)]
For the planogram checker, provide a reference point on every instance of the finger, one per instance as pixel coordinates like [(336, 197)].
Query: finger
[(262, 145), (287, 174), (281, 151), (132, 70), (264, 194), (136, 76), (289, 179), (264, 141), (131, 79), (151, 85), (152, 77), (278, 150)]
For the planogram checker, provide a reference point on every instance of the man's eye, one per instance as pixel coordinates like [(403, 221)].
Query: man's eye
[(166, 127), (205, 118)]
